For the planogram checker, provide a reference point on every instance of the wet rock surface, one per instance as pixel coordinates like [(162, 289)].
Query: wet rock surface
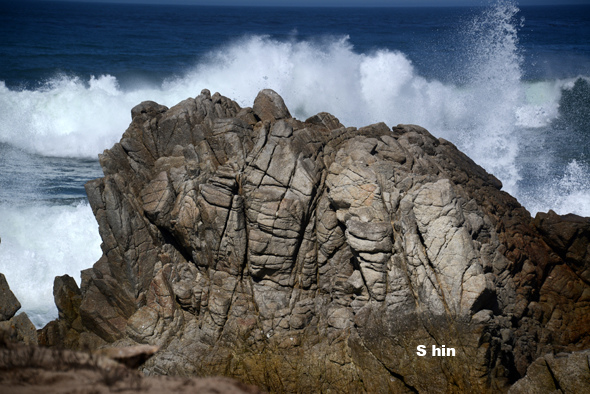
[(305, 255)]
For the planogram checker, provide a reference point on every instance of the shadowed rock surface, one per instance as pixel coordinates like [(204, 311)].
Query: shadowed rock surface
[(308, 256), (9, 305), (130, 356), (30, 369), (559, 373), (15, 328)]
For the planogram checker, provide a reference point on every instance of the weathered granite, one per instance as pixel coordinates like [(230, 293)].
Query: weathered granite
[(559, 373), (130, 356), (9, 305), (307, 256), (17, 328), (32, 370), (67, 331)]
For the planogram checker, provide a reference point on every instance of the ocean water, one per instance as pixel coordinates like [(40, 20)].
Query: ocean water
[(508, 85)]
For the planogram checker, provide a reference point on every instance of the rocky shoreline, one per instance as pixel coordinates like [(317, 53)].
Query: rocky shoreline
[(305, 256)]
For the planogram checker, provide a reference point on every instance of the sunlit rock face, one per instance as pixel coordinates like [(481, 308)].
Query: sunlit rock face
[(305, 255)]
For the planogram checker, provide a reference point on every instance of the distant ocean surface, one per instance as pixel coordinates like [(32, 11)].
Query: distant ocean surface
[(508, 86)]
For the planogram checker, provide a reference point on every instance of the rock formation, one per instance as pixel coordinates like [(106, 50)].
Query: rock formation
[(308, 256), (9, 305), (32, 370), (28, 368), (16, 328), (559, 373)]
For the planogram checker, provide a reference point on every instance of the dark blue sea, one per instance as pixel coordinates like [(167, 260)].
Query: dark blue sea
[(508, 85)]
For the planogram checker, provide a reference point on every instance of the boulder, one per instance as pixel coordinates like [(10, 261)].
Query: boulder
[(9, 305), (19, 329), (308, 256), (67, 331), (269, 106), (130, 356)]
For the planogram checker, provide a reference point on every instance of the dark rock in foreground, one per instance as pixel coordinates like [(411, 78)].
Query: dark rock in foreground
[(9, 305), (559, 373), (30, 369), (307, 256)]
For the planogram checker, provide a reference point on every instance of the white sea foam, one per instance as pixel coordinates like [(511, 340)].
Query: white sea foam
[(66, 116), (41, 242), (482, 113), (71, 117), (541, 103), (573, 190), (569, 193)]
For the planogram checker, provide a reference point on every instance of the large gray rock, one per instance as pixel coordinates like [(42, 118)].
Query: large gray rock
[(9, 305), (13, 328), (307, 256), (269, 106), (67, 331), (20, 329)]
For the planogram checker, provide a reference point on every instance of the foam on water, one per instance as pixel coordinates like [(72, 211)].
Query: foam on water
[(70, 117), (66, 116), (41, 242), (573, 190), (568, 193), (541, 104), (482, 112)]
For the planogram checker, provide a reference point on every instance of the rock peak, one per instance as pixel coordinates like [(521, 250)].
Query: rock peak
[(269, 106)]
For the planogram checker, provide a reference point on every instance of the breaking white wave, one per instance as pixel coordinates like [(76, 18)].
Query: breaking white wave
[(569, 193), (41, 242), (483, 112), (71, 117)]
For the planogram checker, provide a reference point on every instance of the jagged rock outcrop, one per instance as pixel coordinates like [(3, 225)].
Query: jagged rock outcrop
[(559, 373), (28, 368), (9, 305), (308, 256), (31, 369), (17, 328), (67, 331)]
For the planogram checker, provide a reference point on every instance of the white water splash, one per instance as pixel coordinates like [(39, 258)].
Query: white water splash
[(41, 242)]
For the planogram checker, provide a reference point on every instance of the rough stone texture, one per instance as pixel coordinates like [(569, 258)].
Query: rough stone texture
[(67, 331), (9, 305), (31, 369), (307, 256), (14, 328), (130, 356), (560, 373), (269, 106), (569, 237), (20, 329)]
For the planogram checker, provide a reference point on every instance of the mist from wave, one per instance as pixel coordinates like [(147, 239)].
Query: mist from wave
[(40, 242)]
